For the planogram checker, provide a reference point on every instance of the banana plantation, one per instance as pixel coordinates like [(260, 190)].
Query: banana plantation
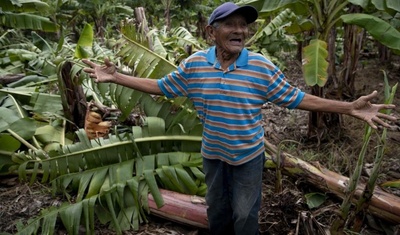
[(112, 159)]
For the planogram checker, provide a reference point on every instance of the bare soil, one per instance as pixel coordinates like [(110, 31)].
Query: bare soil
[(283, 213)]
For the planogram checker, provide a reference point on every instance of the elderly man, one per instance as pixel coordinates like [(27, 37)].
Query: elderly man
[(228, 86)]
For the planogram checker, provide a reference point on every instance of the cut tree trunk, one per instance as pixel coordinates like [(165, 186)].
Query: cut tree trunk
[(383, 205), (191, 210), (142, 24), (181, 208), (10, 78), (73, 99)]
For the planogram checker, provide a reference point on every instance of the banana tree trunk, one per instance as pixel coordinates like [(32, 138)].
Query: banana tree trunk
[(383, 205), (10, 78), (191, 210), (353, 43), (181, 208), (73, 99), (142, 24)]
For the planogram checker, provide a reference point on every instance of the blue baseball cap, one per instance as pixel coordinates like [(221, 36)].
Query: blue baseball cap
[(228, 8)]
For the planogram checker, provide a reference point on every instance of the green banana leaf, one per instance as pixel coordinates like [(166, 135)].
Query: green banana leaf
[(15, 15), (8, 145), (27, 21), (37, 131), (112, 177), (24, 6), (315, 64), (116, 174), (84, 46), (16, 122), (379, 29)]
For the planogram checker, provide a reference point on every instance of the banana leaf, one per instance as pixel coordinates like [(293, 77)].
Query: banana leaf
[(379, 29), (315, 65)]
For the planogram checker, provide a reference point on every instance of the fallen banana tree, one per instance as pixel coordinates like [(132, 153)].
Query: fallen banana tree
[(181, 208), (191, 210), (383, 205)]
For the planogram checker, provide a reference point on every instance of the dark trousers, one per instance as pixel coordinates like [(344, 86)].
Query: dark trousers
[(233, 196)]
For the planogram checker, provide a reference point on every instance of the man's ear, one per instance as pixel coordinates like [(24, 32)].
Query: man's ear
[(210, 32)]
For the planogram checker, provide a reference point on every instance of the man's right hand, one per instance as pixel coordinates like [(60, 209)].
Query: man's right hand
[(101, 73)]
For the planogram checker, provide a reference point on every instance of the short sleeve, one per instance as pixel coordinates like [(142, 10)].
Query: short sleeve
[(174, 84)]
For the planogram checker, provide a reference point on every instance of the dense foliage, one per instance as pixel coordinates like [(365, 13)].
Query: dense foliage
[(43, 42)]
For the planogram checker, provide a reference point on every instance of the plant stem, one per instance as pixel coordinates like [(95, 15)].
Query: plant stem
[(363, 202), (26, 143), (339, 224)]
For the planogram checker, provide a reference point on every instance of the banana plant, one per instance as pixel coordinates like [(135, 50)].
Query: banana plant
[(20, 131), (271, 38), (110, 178), (9, 136), (31, 100), (115, 175), (175, 44), (163, 151), (354, 220), (142, 62), (322, 16), (102, 12), (35, 58), (20, 15), (379, 29), (364, 201)]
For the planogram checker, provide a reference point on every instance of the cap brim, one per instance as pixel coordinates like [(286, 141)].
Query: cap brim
[(249, 12)]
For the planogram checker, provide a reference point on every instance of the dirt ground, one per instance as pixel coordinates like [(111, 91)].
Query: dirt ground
[(283, 213)]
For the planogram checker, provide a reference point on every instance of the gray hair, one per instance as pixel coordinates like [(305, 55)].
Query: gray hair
[(216, 24)]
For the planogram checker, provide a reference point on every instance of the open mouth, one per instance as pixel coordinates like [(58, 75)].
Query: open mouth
[(236, 41)]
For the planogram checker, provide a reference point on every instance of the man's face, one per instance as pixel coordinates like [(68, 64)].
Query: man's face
[(230, 34)]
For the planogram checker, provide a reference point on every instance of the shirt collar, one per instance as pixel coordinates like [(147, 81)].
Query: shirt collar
[(242, 60)]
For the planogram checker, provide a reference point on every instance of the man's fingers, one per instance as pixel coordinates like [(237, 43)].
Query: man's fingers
[(380, 122), (108, 63), (387, 117), (106, 60), (385, 106), (91, 71), (389, 106), (88, 70), (371, 123), (88, 62), (371, 95)]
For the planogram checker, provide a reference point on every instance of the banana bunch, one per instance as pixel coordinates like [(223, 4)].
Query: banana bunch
[(95, 127)]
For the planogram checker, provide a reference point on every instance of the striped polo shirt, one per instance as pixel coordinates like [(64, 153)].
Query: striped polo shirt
[(229, 102)]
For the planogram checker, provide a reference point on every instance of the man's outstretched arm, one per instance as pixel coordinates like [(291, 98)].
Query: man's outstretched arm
[(362, 108), (109, 73)]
